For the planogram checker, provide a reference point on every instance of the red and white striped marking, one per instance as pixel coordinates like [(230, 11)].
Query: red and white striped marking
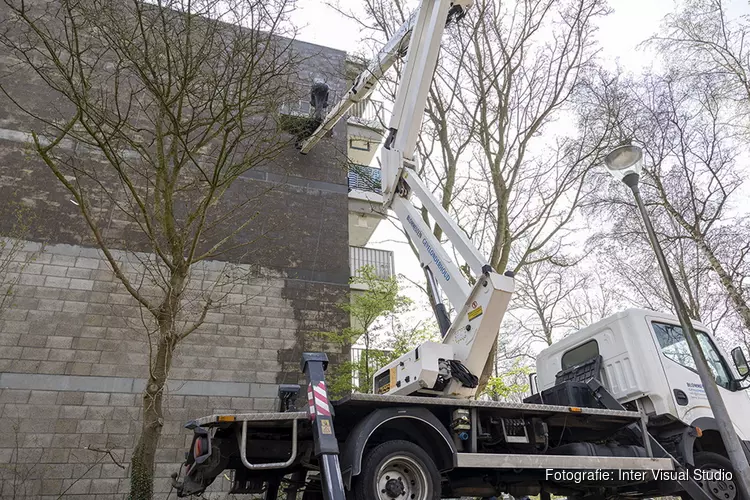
[(317, 398)]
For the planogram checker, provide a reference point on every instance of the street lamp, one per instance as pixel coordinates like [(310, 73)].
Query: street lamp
[(624, 163)]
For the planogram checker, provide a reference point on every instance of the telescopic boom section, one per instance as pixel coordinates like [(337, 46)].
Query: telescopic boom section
[(365, 81), (452, 367)]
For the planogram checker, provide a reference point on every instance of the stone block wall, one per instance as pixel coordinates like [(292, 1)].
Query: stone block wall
[(73, 360), (73, 353)]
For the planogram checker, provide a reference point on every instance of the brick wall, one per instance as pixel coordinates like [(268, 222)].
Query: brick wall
[(72, 350), (73, 359), (299, 205)]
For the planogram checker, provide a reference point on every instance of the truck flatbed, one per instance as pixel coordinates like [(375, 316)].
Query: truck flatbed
[(368, 402), (270, 418), (475, 447), (591, 417)]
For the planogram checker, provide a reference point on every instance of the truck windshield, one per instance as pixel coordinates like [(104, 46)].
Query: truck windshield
[(675, 347)]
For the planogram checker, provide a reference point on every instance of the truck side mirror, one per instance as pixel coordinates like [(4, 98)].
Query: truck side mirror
[(738, 356)]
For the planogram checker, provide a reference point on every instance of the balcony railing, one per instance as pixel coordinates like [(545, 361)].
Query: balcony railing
[(364, 178), (296, 107), (380, 260), (368, 111)]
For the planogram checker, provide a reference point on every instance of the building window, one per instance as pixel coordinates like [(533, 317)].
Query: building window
[(359, 144)]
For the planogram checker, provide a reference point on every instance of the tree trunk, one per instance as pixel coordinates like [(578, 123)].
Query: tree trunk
[(368, 382), (142, 463), (735, 295), (499, 260)]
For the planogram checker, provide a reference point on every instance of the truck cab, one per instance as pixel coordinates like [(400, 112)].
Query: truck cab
[(643, 360)]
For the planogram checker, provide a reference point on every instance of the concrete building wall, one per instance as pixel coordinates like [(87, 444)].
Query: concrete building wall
[(74, 357), (73, 349), (299, 202)]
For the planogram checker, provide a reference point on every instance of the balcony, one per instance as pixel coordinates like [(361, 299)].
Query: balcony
[(364, 178), (368, 113), (380, 260), (365, 130), (365, 203)]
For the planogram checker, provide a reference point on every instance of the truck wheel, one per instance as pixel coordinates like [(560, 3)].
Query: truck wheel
[(719, 488), (397, 469)]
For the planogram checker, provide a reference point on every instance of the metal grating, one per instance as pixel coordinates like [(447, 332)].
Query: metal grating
[(255, 417), (364, 178), (380, 260)]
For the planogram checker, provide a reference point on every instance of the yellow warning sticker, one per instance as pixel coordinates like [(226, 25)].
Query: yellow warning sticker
[(384, 388), (475, 313), (325, 426)]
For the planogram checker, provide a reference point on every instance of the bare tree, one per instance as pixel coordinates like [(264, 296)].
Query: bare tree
[(553, 300), (541, 307), (628, 268), (705, 44), (690, 183), (159, 108), (523, 69), (13, 255), (701, 38), (489, 147)]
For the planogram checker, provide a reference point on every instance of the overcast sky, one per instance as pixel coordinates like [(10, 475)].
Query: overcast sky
[(619, 36), (631, 22)]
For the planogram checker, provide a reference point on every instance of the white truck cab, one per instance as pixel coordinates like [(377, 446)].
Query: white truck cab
[(645, 361)]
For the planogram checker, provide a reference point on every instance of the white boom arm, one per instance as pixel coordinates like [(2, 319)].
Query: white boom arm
[(450, 368), (365, 82)]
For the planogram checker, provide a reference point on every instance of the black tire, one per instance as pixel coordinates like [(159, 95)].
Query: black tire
[(397, 469), (716, 489)]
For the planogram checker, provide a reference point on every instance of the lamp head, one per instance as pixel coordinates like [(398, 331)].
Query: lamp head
[(624, 160)]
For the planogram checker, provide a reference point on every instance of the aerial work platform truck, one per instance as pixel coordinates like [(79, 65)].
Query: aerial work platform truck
[(618, 410)]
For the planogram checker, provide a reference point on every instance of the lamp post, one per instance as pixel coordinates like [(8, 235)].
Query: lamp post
[(624, 163)]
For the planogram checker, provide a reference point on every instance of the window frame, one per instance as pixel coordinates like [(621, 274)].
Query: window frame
[(562, 358), (730, 375), (356, 148)]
